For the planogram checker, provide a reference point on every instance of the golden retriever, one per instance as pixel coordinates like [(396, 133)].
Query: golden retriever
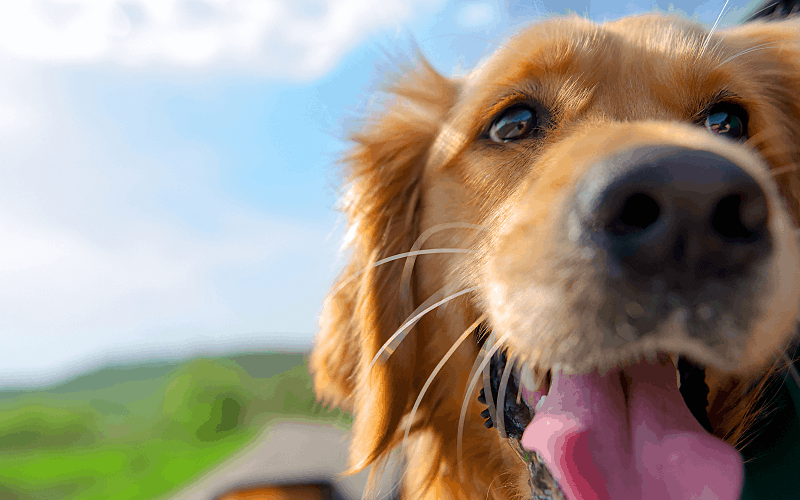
[(595, 228)]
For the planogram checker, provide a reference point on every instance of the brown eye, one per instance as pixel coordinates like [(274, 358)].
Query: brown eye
[(515, 123), (727, 120)]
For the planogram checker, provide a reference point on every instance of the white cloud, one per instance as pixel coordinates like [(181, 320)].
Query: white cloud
[(477, 15), (286, 38), (91, 264), (18, 99), (72, 293)]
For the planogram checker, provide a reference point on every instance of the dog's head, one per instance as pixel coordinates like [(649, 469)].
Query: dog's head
[(605, 200)]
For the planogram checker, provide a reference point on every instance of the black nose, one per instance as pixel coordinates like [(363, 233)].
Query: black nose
[(658, 210)]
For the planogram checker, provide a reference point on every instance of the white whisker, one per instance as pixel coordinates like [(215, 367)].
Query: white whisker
[(764, 9), (754, 48), (713, 28), (434, 297), (489, 489), (389, 347), (435, 372), (390, 259), (396, 481), (470, 387), (405, 277), (792, 369), (536, 6), (475, 367)]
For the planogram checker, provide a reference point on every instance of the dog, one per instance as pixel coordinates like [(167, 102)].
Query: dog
[(588, 243)]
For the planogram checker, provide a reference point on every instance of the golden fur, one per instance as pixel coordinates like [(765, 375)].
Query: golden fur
[(422, 163)]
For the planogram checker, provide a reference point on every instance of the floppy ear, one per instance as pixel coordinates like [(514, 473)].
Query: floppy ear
[(383, 174)]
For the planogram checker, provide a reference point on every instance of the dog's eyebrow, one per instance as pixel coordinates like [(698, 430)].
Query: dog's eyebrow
[(723, 95), (502, 102)]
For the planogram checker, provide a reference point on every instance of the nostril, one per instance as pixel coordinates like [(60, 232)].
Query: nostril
[(739, 217), (681, 215), (639, 212)]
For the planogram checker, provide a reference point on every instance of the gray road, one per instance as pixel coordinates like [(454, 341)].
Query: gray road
[(286, 452)]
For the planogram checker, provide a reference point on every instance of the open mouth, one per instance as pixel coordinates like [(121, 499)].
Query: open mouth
[(631, 433)]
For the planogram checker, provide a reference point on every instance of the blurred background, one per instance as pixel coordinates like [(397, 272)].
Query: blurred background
[(168, 229)]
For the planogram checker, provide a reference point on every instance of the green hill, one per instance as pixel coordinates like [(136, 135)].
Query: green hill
[(140, 431)]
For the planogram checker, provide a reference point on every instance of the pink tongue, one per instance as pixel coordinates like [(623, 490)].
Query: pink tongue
[(599, 448)]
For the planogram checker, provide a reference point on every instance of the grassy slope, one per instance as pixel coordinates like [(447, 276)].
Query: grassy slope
[(139, 432)]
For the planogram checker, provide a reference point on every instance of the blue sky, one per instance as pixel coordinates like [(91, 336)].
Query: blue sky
[(167, 167)]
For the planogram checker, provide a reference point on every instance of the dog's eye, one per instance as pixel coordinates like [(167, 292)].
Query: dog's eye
[(727, 120), (515, 123)]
